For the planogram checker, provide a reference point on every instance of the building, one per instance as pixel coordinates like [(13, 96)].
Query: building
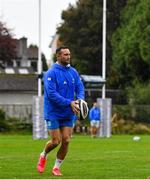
[(26, 57), (18, 81)]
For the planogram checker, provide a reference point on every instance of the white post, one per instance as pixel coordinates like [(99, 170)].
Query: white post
[(106, 113), (39, 124), (104, 49), (39, 54)]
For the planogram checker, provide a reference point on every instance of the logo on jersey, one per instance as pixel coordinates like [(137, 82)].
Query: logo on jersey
[(73, 80), (65, 82), (49, 78)]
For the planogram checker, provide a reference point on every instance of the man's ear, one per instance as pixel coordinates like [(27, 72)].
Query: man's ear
[(57, 55)]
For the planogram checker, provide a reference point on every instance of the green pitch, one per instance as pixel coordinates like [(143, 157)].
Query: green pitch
[(118, 157)]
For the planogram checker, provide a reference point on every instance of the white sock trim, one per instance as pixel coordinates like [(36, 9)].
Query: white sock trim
[(44, 154), (58, 163)]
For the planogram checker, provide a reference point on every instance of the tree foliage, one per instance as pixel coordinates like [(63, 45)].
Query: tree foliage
[(82, 31), (131, 55), (7, 45), (139, 94), (44, 63)]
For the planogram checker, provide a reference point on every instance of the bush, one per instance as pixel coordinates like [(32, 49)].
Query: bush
[(141, 113), (122, 111), (137, 113), (3, 124), (2, 115), (139, 94), (141, 129), (122, 126)]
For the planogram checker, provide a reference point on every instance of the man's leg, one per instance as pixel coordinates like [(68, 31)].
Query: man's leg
[(66, 136), (92, 123), (50, 145), (93, 132), (97, 126), (61, 154), (54, 142), (91, 129)]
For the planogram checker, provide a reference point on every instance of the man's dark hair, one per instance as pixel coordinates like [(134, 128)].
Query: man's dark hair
[(60, 48)]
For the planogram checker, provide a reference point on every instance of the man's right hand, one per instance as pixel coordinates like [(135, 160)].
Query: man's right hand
[(75, 107)]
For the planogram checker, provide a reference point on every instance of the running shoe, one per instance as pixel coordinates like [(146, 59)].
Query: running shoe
[(56, 172), (41, 164)]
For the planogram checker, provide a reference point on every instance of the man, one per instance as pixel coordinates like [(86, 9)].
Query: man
[(61, 83), (94, 117)]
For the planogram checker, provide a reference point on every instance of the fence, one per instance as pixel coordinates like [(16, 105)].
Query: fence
[(117, 96)]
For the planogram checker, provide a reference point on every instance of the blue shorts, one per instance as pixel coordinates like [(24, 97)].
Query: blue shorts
[(56, 124)]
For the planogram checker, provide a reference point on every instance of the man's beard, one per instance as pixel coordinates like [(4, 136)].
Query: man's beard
[(65, 63)]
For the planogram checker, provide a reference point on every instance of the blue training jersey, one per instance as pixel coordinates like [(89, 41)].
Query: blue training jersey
[(95, 114), (61, 86)]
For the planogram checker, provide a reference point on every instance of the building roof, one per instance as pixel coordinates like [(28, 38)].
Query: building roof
[(92, 81), (16, 82)]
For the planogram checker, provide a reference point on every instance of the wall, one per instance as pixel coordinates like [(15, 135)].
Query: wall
[(21, 111), (16, 98), (17, 105)]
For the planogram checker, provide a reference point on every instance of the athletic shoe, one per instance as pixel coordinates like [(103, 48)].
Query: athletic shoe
[(56, 172), (41, 164)]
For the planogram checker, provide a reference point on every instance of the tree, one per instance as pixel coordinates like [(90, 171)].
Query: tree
[(114, 10), (131, 55), (7, 45), (82, 31), (44, 63)]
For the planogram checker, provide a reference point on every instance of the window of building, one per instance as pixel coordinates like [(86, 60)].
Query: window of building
[(9, 71), (23, 71)]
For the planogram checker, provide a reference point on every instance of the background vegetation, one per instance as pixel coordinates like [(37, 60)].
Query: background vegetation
[(128, 56), (82, 31)]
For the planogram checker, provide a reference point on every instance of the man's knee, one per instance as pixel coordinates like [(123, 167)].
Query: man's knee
[(66, 139), (56, 141)]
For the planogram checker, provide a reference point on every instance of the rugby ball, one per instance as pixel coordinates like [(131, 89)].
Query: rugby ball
[(136, 138), (83, 109)]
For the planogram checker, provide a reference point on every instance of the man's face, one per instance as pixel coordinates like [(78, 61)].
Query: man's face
[(64, 57), (95, 105)]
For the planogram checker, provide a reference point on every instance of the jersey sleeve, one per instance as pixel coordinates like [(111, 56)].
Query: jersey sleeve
[(80, 94), (50, 88)]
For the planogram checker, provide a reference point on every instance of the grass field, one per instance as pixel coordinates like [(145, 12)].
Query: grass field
[(118, 157)]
